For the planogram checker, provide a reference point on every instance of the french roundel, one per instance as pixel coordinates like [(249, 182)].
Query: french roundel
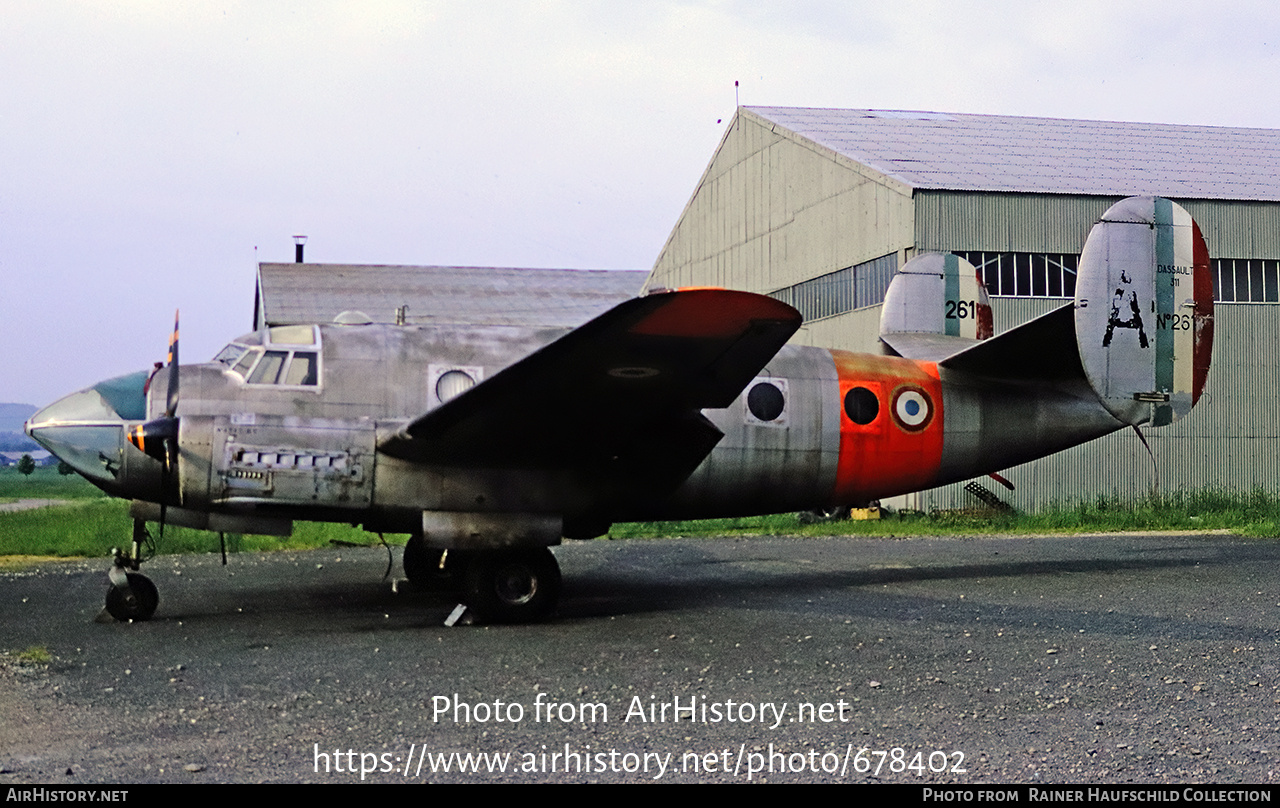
[(912, 409)]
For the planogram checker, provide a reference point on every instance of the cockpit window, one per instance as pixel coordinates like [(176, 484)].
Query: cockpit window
[(230, 354), (246, 362), (292, 335), (302, 369), (281, 363), (268, 370), (290, 368)]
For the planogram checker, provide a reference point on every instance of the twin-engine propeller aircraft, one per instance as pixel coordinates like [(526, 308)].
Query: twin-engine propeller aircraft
[(490, 444)]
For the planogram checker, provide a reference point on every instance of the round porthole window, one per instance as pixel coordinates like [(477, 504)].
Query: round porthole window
[(861, 405), (452, 384), (765, 401), (912, 409)]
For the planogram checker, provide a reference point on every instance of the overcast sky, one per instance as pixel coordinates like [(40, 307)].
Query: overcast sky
[(154, 152)]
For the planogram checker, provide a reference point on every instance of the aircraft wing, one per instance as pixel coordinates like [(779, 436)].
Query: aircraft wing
[(619, 397)]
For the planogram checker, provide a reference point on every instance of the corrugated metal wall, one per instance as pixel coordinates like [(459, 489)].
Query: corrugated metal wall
[(1001, 222), (859, 330), (1230, 441), (771, 211), (1237, 229), (954, 220)]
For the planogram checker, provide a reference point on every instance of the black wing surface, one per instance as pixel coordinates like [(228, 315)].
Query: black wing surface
[(619, 397)]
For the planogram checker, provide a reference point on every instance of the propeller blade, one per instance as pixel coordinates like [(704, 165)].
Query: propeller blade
[(158, 438), (171, 400)]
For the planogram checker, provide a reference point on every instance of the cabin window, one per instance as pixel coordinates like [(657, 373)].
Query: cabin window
[(281, 363), (861, 405), (289, 368), (452, 384), (765, 401)]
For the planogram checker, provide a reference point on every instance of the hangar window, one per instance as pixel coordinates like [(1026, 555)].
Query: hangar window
[(1245, 280), (854, 287), (1021, 274)]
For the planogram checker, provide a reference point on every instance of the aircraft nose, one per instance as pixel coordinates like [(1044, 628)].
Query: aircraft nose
[(86, 429)]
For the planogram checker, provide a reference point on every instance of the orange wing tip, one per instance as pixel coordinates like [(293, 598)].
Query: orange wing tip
[(712, 313)]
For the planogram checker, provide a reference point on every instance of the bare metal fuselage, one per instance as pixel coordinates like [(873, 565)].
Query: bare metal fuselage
[(258, 453)]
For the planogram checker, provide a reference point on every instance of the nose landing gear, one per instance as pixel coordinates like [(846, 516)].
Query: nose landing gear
[(132, 596)]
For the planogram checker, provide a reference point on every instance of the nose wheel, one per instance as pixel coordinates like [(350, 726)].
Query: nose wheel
[(136, 600), (132, 596)]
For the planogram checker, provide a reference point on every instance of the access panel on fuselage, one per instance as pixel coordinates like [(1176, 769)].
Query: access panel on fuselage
[(323, 462)]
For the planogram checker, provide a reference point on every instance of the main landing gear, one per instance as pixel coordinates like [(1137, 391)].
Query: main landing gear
[(501, 586), (132, 596)]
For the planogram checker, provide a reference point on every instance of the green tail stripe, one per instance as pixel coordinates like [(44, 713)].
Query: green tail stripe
[(951, 276), (1164, 294)]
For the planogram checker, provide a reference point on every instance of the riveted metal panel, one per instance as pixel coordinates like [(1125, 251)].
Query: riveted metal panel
[(775, 464)]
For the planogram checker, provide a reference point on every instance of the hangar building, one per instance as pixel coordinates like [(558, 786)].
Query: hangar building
[(819, 207), (294, 293)]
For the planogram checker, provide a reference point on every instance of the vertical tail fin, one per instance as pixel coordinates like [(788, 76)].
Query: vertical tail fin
[(1144, 310), (934, 298)]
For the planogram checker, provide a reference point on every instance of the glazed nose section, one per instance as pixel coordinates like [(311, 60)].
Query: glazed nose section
[(86, 429)]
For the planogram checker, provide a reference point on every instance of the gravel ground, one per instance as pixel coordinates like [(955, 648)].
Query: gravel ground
[(1067, 659)]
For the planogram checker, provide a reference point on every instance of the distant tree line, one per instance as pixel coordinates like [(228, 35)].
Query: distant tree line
[(17, 442)]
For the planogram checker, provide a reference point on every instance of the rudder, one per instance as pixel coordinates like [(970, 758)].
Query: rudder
[(1144, 310)]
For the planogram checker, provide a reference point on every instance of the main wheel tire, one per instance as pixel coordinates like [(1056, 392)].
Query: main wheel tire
[(138, 602), (422, 566), (518, 586)]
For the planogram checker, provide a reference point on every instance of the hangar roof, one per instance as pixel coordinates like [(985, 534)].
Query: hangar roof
[(953, 151), (316, 293)]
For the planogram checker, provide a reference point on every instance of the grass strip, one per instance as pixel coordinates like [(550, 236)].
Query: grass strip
[(91, 527)]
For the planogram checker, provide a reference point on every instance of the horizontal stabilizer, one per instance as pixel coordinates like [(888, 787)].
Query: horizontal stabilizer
[(1043, 349), (926, 347)]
